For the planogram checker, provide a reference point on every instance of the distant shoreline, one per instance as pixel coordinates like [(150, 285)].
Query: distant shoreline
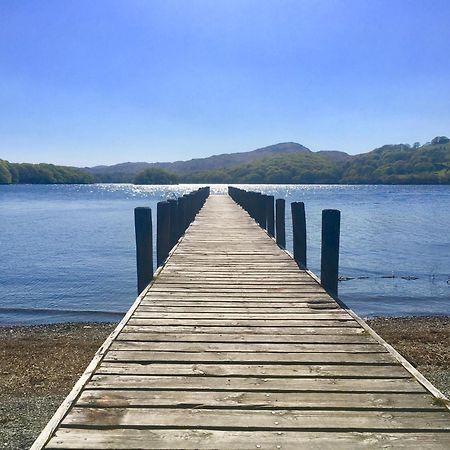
[(36, 375), (285, 162), (206, 183)]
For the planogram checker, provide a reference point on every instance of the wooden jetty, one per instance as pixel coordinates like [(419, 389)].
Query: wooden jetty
[(232, 346)]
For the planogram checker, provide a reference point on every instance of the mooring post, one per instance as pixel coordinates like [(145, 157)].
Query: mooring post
[(262, 202), (162, 232), (173, 222), (186, 210), (253, 206), (270, 200), (144, 246), (280, 222), (299, 232), (181, 205), (189, 209), (256, 213), (329, 267)]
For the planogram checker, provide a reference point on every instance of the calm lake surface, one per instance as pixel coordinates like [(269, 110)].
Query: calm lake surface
[(67, 251)]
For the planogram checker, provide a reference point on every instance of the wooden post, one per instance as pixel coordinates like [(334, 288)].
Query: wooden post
[(280, 222), (181, 216), (299, 233), (173, 222), (270, 215), (162, 232), (186, 212), (262, 210), (329, 267), (253, 206), (144, 246)]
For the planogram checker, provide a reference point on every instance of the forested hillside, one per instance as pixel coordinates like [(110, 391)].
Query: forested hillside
[(401, 164), (153, 175), (292, 168), (280, 163), (390, 164), (125, 172), (12, 173)]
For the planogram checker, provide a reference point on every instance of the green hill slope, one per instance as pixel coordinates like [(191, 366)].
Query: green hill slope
[(12, 173), (280, 163), (401, 164), (125, 172), (291, 168), (390, 164)]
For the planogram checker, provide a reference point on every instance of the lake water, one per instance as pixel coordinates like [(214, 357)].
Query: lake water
[(67, 252)]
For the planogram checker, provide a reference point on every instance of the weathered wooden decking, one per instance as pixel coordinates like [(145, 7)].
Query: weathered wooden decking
[(234, 347)]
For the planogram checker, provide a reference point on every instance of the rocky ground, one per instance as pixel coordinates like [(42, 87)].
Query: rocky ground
[(40, 364), (423, 341), (38, 367)]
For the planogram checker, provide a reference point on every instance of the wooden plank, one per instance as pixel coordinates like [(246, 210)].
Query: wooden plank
[(200, 316), (137, 439), (252, 282), (116, 398), (306, 293), (200, 383), (156, 306), (172, 272), (256, 419), (246, 347), (254, 338), (298, 302), (254, 358), (254, 370), (246, 322), (240, 290), (312, 298), (249, 330), (174, 275)]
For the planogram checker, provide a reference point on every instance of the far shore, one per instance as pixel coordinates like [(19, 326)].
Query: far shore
[(40, 364)]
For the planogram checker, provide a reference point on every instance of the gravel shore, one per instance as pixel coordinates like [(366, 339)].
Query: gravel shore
[(40, 364), (423, 341), (38, 367)]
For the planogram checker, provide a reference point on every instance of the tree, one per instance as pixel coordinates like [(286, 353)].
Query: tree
[(155, 176), (5, 174), (440, 140)]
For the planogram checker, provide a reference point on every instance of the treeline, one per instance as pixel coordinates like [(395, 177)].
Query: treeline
[(390, 164), (152, 175), (293, 168), (13, 173), (155, 176), (401, 164)]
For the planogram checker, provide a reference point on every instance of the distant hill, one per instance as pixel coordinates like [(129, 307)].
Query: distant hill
[(154, 175), (281, 163), (390, 164), (125, 172), (227, 160), (401, 164), (334, 155), (302, 167)]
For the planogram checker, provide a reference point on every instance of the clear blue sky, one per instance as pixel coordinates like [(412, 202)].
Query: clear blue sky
[(106, 81)]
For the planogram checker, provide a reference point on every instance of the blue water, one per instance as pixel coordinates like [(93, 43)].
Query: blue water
[(67, 252)]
